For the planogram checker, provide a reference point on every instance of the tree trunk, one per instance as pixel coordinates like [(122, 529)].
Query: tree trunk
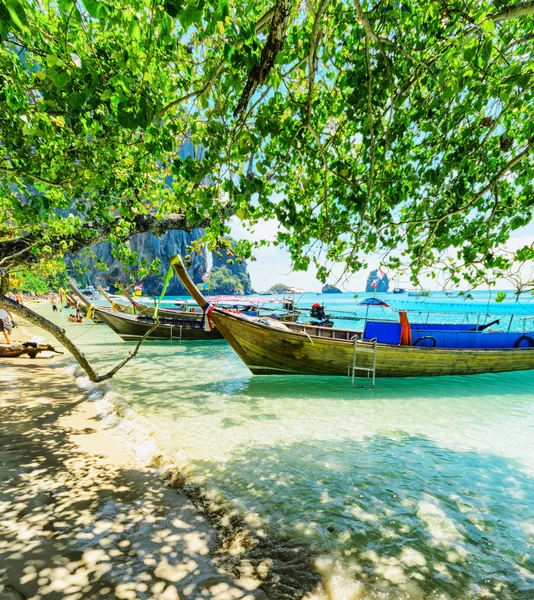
[(61, 337), (4, 281)]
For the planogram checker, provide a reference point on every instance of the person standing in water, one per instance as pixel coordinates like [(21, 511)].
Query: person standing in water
[(6, 324), (61, 293)]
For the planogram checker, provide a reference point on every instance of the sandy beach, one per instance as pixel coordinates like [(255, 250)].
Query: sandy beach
[(79, 518)]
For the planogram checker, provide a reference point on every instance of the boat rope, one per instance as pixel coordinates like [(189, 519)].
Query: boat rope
[(307, 335), (86, 331)]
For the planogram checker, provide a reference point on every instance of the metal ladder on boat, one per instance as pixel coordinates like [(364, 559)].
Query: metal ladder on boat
[(371, 371)]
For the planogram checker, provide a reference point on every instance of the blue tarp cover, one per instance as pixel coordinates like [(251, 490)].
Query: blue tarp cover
[(461, 306), (447, 337)]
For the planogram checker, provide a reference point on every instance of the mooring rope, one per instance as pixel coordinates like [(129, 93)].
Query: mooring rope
[(79, 336)]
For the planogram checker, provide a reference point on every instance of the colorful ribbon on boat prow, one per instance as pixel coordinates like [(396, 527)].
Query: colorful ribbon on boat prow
[(206, 324), (90, 311), (166, 281)]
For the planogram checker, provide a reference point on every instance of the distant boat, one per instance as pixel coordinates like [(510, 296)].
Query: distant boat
[(90, 292), (397, 289), (269, 348)]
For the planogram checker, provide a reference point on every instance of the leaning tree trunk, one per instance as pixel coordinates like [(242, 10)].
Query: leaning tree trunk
[(4, 281), (59, 334)]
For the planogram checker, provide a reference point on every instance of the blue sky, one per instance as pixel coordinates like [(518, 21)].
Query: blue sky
[(273, 264)]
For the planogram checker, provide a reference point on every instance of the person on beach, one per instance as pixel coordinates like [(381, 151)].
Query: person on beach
[(54, 305), (6, 324)]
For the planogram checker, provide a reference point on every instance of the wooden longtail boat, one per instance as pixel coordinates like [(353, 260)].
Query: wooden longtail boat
[(176, 313), (143, 309), (289, 349), (134, 327)]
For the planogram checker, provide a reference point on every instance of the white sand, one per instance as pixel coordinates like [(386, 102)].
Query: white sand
[(78, 517)]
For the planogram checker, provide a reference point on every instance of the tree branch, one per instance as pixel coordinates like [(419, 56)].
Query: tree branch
[(260, 25), (368, 35), (312, 54), (277, 35), (521, 9), (27, 250)]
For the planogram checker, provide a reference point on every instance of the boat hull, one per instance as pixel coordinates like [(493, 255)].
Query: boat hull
[(130, 329), (268, 351), (144, 309)]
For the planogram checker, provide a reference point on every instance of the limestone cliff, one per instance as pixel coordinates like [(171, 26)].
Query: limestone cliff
[(149, 248)]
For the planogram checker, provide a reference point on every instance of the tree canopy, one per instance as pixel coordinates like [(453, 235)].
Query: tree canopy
[(387, 126)]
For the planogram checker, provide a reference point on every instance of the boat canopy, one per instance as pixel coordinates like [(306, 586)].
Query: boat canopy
[(244, 301), (465, 307)]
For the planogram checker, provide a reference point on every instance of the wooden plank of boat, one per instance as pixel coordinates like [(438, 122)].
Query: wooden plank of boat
[(133, 328), (282, 350)]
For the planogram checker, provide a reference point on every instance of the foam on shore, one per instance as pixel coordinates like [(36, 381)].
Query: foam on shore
[(246, 549)]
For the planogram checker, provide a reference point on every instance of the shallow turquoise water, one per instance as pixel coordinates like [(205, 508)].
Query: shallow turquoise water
[(421, 488)]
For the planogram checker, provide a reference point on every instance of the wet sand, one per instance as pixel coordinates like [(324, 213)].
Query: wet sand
[(79, 518)]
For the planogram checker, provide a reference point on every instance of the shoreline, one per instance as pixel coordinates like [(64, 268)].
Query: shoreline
[(80, 517), (233, 557)]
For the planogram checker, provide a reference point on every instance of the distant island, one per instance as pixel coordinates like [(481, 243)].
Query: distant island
[(331, 289), (279, 288)]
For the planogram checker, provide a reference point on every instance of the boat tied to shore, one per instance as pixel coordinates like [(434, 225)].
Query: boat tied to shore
[(381, 349), (135, 321)]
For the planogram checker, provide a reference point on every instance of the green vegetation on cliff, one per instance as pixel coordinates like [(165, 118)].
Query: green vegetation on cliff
[(223, 281), (279, 288)]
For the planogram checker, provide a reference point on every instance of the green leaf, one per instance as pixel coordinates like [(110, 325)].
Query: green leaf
[(485, 52), (481, 15), (470, 50), (17, 14), (488, 26), (77, 99), (173, 7), (60, 78), (135, 30), (191, 14), (223, 10), (93, 7)]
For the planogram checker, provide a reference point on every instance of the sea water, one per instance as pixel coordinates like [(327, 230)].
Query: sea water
[(419, 488)]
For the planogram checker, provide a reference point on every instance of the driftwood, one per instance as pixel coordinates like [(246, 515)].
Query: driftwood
[(32, 349)]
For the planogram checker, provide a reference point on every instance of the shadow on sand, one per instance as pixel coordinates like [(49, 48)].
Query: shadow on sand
[(73, 525)]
